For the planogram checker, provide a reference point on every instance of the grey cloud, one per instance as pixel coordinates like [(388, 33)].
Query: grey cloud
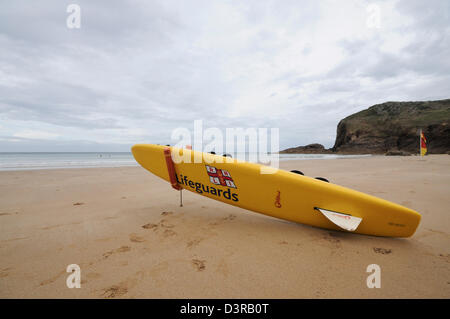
[(110, 24), (17, 144), (426, 55), (157, 65), (428, 15)]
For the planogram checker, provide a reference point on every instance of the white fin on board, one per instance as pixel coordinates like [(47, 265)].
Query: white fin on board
[(344, 221)]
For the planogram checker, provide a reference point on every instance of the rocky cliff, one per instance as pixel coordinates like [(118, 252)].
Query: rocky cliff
[(394, 126), (308, 149), (390, 127)]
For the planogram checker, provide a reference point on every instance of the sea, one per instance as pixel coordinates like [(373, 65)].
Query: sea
[(45, 160)]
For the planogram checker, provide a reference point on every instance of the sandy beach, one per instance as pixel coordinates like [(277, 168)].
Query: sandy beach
[(126, 231)]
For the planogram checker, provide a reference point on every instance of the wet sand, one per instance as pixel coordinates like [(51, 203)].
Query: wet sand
[(126, 231)]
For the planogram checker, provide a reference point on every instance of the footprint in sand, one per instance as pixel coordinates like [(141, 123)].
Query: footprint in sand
[(122, 249), (218, 222), (194, 242), (446, 257), (330, 237), (165, 224), (4, 272), (51, 280), (115, 291), (169, 233), (136, 239), (150, 226), (199, 264), (78, 204), (383, 251), (122, 288), (162, 223), (50, 227), (230, 217), (14, 239), (166, 213), (6, 214), (283, 242)]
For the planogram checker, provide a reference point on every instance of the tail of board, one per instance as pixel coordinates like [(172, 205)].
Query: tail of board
[(284, 195)]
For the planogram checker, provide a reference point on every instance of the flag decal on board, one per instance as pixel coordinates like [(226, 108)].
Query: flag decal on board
[(423, 144), (220, 176)]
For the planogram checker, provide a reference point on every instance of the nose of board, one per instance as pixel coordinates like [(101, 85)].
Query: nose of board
[(138, 151), (151, 157)]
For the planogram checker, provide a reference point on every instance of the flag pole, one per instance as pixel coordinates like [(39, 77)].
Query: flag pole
[(420, 142)]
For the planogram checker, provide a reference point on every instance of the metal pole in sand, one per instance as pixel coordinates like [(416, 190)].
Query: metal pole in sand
[(181, 198)]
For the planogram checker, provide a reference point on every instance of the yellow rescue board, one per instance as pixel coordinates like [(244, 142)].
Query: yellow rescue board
[(283, 194)]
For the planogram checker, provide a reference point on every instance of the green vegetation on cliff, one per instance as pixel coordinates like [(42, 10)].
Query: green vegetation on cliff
[(390, 127), (395, 126)]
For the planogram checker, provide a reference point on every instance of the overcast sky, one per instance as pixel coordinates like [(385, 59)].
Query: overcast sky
[(136, 70)]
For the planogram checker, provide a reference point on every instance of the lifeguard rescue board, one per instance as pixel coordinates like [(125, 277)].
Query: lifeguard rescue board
[(283, 194)]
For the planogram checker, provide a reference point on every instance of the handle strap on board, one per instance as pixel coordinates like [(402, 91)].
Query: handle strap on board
[(171, 169)]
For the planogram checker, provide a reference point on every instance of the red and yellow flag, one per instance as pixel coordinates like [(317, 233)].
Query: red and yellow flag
[(423, 144)]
